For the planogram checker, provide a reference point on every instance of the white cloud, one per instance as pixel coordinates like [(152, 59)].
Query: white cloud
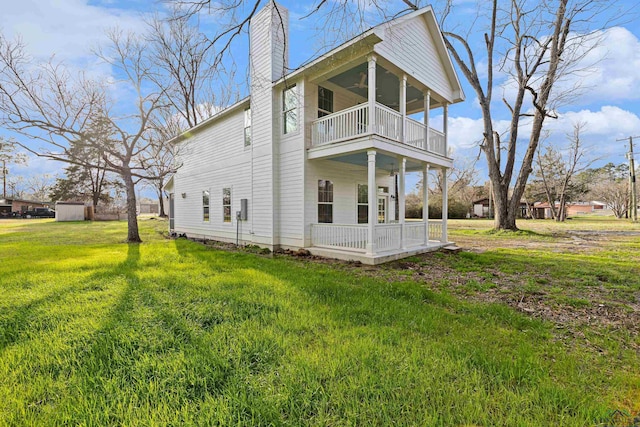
[(605, 72), (613, 67), (610, 121), (66, 28)]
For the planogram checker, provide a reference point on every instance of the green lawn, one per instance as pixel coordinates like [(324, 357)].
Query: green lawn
[(94, 331)]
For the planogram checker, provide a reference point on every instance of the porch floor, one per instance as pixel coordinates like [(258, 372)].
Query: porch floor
[(378, 258)]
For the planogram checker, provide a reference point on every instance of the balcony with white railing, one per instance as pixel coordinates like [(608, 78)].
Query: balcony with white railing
[(353, 123), (387, 237)]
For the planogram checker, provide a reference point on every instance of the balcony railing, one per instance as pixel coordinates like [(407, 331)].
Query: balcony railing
[(353, 122), (388, 237)]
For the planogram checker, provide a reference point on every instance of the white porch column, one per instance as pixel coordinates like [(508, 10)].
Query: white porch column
[(401, 202), (445, 205), (445, 129), (425, 202), (371, 81), (427, 103), (403, 108), (373, 201)]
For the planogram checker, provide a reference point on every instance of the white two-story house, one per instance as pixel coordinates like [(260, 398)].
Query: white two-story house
[(317, 158)]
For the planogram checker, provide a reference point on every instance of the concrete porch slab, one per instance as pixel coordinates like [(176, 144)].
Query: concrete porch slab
[(379, 258)]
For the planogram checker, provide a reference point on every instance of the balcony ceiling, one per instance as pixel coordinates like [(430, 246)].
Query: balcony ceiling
[(388, 163), (387, 87)]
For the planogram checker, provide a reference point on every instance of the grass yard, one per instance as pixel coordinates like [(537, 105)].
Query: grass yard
[(94, 331)]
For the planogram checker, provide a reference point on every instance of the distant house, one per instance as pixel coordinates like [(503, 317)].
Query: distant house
[(542, 210), (581, 208), (310, 159), (482, 208), (8, 207)]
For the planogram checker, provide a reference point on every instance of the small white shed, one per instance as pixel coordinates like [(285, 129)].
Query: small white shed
[(69, 211)]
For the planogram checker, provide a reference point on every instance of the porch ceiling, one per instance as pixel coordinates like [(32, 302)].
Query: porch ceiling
[(386, 162), (387, 87)]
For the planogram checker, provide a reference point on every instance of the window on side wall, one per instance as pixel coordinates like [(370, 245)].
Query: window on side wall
[(363, 203), (325, 201), (247, 127), (325, 102), (205, 205), (290, 109), (226, 204)]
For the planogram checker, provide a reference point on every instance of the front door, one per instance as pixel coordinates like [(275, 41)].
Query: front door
[(382, 209)]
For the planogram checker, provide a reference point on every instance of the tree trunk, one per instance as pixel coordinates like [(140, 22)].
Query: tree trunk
[(505, 218), (133, 236), (162, 213)]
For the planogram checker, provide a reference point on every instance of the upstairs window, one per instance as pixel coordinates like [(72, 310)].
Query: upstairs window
[(226, 204), (290, 109), (247, 127), (205, 205), (325, 201), (325, 102)]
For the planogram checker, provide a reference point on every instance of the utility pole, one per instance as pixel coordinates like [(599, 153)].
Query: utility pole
[(4, 179), (632, 180)]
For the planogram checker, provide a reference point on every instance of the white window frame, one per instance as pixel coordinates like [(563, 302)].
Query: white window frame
[(290, 109), (247, 127), (324, 202), (206, 207), (358, 203), (225, 205)]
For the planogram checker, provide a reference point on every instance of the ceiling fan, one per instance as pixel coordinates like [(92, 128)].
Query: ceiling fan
[(362, 84)]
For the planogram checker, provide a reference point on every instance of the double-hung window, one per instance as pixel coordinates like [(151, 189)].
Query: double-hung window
[(325, 102), (325, 201), (290, 109), (247, 127), (205, 206), (226, 204), (363, 203)]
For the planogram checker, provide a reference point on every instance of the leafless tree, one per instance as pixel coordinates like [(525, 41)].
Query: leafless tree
[(194, 85), (46, 103), (39, 186), (535, 43), (9, 156), (556, 171)]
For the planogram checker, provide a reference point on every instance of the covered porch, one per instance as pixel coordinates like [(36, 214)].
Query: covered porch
[(381, 233), (370, 97)]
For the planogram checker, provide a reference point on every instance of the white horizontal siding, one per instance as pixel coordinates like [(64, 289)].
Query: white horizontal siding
[(345, 178), (212, 159), (410, 46)]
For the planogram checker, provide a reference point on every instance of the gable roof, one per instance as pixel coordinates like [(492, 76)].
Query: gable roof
[(367, 38), (372, 37)]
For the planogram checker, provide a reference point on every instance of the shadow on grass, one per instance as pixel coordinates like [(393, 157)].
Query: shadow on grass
[(22, 320)]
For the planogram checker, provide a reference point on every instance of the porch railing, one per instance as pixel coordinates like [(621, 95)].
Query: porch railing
[(342, 125), (435, 229), (388, 237), (414, 234), (388, 122), (341, 236), (353, 122)]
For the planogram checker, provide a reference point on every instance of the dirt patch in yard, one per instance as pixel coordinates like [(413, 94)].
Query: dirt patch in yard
[(535, 293)]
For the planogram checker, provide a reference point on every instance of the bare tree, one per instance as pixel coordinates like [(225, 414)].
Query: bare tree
[(194, 86), (536, 44), (9, 156), (46, 103), (40, 186), (609, 184), (556, 172)]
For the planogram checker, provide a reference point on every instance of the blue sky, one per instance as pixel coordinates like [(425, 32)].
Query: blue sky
[(609, 102)]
